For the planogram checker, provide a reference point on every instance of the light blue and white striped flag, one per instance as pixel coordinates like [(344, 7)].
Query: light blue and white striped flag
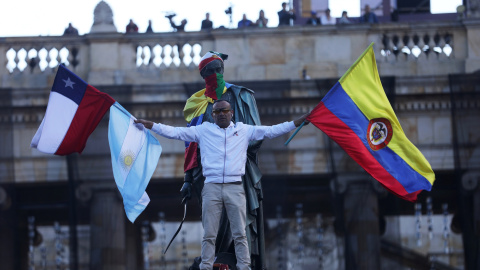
[(135, 153)]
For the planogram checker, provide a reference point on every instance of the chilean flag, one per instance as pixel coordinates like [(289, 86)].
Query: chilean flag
[(74, 110)]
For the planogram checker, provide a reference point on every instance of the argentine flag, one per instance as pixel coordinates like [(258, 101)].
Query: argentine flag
[(135, 153)]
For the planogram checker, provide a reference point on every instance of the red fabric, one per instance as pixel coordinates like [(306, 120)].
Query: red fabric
[(338, 131), (220, 266), (90, 112), (190, 157), (211, 86), (204, 62)]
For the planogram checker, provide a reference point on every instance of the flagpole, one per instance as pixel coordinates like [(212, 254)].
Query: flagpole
[(119, 107), (295, 133)]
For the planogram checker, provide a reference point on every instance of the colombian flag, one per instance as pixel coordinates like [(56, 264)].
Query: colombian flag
[(357, 115)]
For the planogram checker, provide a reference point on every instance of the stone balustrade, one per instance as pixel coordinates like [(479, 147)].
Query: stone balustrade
[(416, 49), (153, 75)]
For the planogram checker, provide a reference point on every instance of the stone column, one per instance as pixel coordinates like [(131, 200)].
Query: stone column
[(360, 222), (9, 242), (472, 63), (9, 248), (134, 248), (469, 209), (107, 231)]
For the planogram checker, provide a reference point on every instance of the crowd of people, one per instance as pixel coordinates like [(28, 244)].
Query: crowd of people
[(286, 17), (327, 19)]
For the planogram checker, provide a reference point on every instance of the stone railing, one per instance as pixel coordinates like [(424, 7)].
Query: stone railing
[(437, 48), (41, 54), (422, 43)]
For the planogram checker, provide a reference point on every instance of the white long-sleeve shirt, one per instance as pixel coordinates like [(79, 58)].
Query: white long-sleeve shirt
[(223, 150)]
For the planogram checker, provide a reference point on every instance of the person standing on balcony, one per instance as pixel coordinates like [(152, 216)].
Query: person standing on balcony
[(149, 27), (326, 19), (285, 16), (261, 21), (313, 20), (344, 19), (223, 146), (369, 16), (244, 23), (131, 27), (180, 27), (70, 31), (207, 25)]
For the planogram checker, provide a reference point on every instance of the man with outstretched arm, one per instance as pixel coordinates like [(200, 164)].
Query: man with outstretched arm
[(223, 148)]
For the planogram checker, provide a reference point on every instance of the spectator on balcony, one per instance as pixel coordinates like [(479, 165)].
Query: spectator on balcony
[(70, 31), (285, 16), (369, 16), (313, 20), (149, 27), (327, 19), (261, 21), (394, 15), (180, 27), (131, 27), (244, 22), (207, 25), (344, 19)]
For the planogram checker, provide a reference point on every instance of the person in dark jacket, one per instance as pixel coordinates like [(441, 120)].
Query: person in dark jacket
[(70, 30), (131, 27), (285, 16), (244, 22), (313, 20), (369, 16), (206, 24)]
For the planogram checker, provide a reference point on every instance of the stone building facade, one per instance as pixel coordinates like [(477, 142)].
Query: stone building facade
[(429, 71)]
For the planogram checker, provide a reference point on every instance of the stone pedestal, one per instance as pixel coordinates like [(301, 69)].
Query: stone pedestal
[(107, 230)]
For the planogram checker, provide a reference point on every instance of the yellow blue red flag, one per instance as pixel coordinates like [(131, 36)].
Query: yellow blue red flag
[(193, 112), (357, 115)]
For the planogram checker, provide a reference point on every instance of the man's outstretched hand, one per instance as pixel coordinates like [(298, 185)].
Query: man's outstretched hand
[(302, 119), (145, 123)]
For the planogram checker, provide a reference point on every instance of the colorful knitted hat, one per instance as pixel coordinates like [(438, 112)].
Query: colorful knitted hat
[(209, 57)]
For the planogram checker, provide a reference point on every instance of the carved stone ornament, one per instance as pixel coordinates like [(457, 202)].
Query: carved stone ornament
[(103, 19)]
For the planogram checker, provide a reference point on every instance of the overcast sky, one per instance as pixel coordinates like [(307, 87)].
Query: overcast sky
[(51, 17)]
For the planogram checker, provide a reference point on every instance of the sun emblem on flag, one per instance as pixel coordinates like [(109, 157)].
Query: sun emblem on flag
[(126, 159), (379, 133)]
